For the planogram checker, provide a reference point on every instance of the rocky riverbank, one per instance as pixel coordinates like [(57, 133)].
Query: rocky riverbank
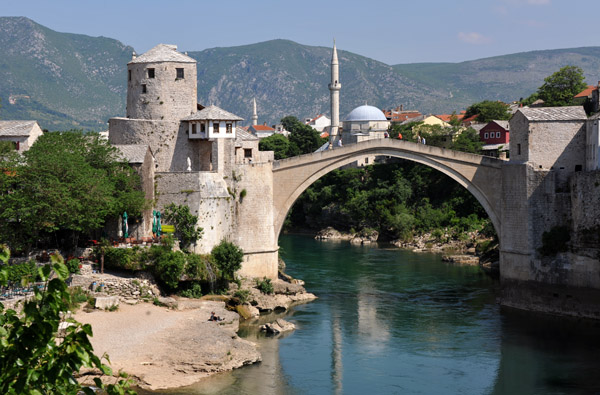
[(174, 343), (458, 251)]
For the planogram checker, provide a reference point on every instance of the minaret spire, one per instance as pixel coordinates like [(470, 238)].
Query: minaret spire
[(334, 92), (254, 113)]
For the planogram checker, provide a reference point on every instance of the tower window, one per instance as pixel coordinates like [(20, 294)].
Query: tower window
[(179, 73), (518, 149), (216, 127), (150, 73), (228, 128), (144, 90), (202, 127), (194, 128), (129, 73), (247, 152)]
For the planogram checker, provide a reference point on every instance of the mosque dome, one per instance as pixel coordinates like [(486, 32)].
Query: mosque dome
[(366, 113)]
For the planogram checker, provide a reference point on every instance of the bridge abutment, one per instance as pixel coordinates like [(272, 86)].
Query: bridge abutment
[(560, 274)]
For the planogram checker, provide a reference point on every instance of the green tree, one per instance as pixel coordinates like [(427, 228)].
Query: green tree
[(468, 141), (228, 259), (560, 87), (32, 358), (303, 139), (186, 224), (69, 182), (488, 110), (277, 143)]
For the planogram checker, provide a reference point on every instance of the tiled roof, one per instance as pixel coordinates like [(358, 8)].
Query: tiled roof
[(163, 53), (587, 91), (470, 119), (211, 113), (243, 135), (16, 128), (133, 153), (264, 128), (572, 113), (324, 135), (448, 117)]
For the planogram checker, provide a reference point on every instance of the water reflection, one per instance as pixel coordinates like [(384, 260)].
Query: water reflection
[(390, 321)]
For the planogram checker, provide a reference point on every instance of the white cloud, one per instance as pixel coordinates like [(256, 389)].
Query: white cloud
[(473, 38)]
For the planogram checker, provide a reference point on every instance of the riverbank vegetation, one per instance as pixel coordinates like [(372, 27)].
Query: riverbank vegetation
[(41, 349), (64, 189), (177, 271), (399, 199)]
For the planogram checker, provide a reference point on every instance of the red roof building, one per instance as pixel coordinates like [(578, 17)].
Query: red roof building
[(495, 132)]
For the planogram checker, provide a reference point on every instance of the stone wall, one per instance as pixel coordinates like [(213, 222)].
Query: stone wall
[(168, 141), (125, 287), (561, 283), (207, 196), (254, 230), (166, 97)]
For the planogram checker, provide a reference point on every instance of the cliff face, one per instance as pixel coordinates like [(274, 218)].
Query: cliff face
[(71, 80)]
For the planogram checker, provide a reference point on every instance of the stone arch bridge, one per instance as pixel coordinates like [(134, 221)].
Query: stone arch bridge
[(480, 175)]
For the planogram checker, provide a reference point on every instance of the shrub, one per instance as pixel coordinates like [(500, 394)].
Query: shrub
[(194, 291), (122, 258), (228, 258), (73, 265), (242, 295), (243, 195), (168, 268), (196, 266), (27, 270), (186, 224), (265, 286)]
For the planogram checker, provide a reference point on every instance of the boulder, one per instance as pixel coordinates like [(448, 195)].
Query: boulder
[(280, 325), (106, 302)]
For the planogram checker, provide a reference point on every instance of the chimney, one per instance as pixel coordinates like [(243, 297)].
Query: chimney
[(401, 107)]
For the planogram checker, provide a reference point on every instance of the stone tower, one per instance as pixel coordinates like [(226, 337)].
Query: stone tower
[(254, 113), (161, 85), (334, 89)]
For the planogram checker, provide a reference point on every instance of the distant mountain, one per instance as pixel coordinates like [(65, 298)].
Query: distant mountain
[(71, 80), (63, 80), (507, 77)]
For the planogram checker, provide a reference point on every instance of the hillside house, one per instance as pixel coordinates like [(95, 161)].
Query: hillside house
[(590, 95), (261, 131), (21, 133), (319, 122)]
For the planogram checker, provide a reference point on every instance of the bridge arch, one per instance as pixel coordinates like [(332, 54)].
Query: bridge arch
[(481, 176)]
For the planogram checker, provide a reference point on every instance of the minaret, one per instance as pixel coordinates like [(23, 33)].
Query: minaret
[(254, 113), (334, 89)]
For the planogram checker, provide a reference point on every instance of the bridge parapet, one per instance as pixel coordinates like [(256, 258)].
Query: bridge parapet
[(481, 175)]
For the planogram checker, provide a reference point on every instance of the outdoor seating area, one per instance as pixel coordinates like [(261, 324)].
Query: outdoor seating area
[(16, 290)]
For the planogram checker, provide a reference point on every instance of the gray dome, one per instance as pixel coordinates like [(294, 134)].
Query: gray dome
[(366, 113)]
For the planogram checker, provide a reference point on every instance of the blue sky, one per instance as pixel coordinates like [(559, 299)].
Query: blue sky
[(391, 31)]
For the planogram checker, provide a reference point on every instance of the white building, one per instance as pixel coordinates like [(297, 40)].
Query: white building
[(22, 133)]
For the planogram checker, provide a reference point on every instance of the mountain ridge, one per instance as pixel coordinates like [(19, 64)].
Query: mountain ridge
[(68, 80)]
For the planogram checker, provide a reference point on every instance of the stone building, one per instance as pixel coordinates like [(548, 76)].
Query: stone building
[(21, 133), (550, 186), (201, 157)]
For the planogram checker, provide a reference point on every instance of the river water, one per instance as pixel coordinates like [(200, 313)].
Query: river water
[(394, 322)]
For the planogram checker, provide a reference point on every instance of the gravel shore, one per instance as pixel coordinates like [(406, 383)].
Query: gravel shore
[(162, 348)]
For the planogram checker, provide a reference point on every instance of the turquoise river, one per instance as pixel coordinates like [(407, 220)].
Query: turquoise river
[(389, 321)]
